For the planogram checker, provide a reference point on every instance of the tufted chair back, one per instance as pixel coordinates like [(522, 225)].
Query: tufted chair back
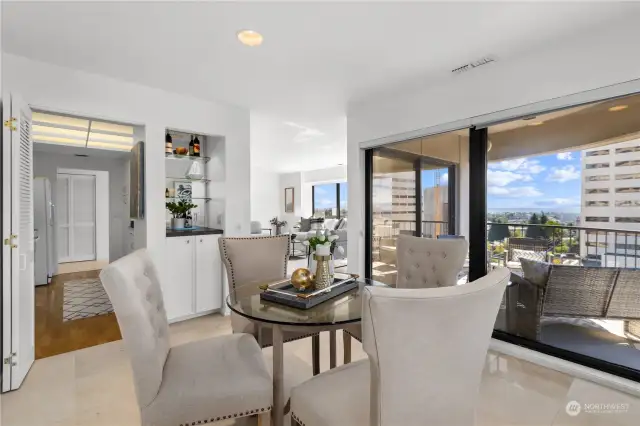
[(133, 286), (428, 347), (249, 260), (429, 263)]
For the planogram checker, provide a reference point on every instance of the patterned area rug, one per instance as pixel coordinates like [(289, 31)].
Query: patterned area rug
[(85, 298)]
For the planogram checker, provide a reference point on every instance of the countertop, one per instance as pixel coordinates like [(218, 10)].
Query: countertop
[(191, 232)]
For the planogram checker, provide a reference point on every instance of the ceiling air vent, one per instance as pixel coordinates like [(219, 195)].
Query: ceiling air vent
[(474, 64)]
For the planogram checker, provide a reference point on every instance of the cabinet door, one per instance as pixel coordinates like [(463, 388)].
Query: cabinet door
[(178, 283), (208, 273)]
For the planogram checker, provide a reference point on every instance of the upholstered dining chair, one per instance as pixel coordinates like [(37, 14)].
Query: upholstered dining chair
[(426, 351), (250, 261), (198, 382), (421, 263)]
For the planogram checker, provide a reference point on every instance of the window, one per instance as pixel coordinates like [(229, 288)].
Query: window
[(627, 203), (597, 178), (627, 163), (597, 191), (597, 153), (597, 219), (628, 150), (597, 166), (626, 176), (327, 200), (627, 220), (628, 190), (597, 204)]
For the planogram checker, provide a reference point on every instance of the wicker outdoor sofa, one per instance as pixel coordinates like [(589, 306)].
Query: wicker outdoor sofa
[(576, 292)]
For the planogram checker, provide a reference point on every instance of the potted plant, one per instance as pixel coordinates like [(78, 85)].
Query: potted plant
[(278, 224), (179, 211), (323, 245)]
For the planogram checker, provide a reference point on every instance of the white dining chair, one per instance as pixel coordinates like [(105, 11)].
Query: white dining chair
[(250, 262), (421, 263), (195, 383), (426, 351)]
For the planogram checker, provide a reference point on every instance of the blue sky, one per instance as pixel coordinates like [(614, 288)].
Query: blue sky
[(325, 195), (547, 182)]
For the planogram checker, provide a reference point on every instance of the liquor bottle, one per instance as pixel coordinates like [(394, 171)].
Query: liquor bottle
[(196, 147), (191, 146), (168, 144), (166, 193)]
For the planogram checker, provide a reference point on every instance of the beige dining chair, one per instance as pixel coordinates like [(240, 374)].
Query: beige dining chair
[(426, 351), (195, 383), (421, 263), (255, 260)]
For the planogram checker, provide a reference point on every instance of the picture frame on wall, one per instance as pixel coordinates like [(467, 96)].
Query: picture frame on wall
[(288, 200)]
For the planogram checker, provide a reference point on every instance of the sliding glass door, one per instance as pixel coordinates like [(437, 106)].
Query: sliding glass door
[(410, 194)]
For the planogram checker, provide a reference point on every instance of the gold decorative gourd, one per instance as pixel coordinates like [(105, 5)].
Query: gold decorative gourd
[(302, 279)]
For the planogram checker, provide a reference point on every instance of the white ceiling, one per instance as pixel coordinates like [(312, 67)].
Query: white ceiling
[(316, 57)]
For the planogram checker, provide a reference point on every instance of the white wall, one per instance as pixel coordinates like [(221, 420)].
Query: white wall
[(65, 90), (265, 195), (115, 219), (602, 58)]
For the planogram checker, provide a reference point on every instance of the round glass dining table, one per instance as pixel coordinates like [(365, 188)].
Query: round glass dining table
[(330, 316)]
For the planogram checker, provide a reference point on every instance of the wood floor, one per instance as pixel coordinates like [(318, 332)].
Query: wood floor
[(53, 336)]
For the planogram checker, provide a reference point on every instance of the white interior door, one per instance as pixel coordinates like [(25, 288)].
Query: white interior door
[(18, 262), (76, 217)]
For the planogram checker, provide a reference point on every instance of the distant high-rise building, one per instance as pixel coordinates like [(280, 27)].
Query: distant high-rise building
[(611, 201)]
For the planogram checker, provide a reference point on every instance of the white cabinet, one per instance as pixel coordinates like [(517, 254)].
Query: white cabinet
[(193, 283), (208, 273), (178, 285)]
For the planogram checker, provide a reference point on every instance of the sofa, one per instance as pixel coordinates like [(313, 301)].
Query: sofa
[(548, 294), (327, 227)]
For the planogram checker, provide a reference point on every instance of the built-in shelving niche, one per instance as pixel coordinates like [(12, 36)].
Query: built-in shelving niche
[(208, 191)]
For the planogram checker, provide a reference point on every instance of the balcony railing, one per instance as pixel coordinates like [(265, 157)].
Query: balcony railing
[(430, 228), (568, 244)]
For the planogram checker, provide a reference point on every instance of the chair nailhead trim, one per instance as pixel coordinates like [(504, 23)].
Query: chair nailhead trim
[(217, 419), (297, 419)]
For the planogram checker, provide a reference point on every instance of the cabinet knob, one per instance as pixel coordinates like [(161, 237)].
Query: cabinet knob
[(188, 241), (200, 239)]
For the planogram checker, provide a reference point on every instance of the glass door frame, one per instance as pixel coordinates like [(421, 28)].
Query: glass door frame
[(418, 161)]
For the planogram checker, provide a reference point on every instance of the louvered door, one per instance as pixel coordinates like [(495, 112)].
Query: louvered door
[(21, 242)]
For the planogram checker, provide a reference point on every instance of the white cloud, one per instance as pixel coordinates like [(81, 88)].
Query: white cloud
[(565, 156), (521, 165), (563, 174), (504, 178), (520, 191), (444, 179)]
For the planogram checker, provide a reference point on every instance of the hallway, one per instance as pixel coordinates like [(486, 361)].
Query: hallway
[(54, 335)]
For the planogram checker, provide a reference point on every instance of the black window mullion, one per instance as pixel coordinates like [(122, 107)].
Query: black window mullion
[(338, 198), (417, 165), (478, 143)]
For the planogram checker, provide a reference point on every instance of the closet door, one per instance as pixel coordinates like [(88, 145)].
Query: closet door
[(83, 217), (76, 217), (62, 201)]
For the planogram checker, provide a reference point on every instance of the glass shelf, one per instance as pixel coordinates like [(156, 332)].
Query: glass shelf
[(186, 157), (193, 198), (186, 179)]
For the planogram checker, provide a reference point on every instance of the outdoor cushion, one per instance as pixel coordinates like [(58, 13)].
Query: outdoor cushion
[(535, 272), (518, 254)]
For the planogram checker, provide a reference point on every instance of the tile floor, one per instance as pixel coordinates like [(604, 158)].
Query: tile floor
[(93, 386)]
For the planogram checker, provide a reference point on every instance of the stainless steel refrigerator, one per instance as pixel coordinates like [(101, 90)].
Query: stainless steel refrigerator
[(43, 211)]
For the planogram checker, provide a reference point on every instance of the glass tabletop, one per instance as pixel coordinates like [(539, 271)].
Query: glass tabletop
[(343, 309)]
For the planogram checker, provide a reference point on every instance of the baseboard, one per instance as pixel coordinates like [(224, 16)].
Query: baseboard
[(563, 366), (192, 316)]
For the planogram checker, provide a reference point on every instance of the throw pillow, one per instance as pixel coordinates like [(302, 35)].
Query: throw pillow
[(537, 273), (518, 254), (305, 224)]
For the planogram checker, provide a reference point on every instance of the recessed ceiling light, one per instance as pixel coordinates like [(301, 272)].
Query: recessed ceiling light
[(618, 108), (250, 38), (535, 123)]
